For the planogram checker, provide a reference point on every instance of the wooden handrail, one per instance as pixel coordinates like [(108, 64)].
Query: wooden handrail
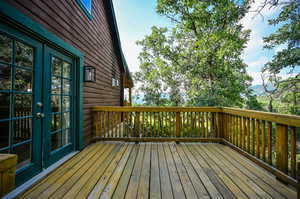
[(156, 109), (286, 119)]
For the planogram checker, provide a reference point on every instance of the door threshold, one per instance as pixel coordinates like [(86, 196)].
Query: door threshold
[(22, 188)]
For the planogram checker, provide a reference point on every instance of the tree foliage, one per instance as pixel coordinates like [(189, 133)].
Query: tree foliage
[(286, 60), (198, 60)]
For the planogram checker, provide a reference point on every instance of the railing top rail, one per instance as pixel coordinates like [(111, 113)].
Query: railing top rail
[(291, 120), (156, 109)]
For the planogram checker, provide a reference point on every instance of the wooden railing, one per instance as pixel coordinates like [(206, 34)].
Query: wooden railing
[(157, 122), (269, 139)]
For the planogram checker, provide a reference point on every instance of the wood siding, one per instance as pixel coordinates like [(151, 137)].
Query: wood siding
[(92, 37)]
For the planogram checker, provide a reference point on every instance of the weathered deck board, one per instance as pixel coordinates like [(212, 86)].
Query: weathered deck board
[(159, 170)]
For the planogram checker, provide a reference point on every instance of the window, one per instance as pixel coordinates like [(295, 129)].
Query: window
[(16, 97), (86, 6)]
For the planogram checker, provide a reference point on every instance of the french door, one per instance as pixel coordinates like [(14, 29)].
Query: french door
[(36, 102), (59, 100)]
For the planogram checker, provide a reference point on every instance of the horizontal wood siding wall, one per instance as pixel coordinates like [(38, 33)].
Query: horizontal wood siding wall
[(92, 37)]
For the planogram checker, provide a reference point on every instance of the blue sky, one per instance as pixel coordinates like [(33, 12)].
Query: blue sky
[(136, 17)]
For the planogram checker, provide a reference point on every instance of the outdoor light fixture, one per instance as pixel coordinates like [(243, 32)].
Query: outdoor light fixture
[(89, 74)]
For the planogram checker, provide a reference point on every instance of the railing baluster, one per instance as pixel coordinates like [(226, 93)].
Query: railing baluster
[(207, 124), (248, 135), (257, 124), (253, 136), (235, 130), (270, 143), (293, 151), (242, 132), (119, 123), (178, 126), (263, 142), (199, 126)]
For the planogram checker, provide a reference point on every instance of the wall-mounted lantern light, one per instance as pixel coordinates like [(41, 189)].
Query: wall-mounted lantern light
[(89, 74)]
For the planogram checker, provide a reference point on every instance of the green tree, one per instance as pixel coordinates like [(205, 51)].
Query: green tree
[(286, 60), (197, 62)]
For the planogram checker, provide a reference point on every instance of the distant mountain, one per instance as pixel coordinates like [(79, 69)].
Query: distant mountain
[(259, 89)]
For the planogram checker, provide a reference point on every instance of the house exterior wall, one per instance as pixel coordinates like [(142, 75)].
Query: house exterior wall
[(92, 37)]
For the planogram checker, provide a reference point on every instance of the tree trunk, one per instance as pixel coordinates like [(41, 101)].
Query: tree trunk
[(270, 105)]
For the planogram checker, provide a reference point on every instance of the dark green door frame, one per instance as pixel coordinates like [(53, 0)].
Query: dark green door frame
[(18, 20), (52, 156), (19, 24), (35, 165)]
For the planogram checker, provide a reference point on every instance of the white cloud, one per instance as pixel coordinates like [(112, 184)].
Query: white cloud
[(257, 23), (258, 81), (257, 64)]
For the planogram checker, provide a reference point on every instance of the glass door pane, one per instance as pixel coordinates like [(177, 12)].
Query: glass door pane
[(60, 105), (16, 75), (20, 130)]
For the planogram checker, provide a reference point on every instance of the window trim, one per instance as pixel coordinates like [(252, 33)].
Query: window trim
[(85, 10)]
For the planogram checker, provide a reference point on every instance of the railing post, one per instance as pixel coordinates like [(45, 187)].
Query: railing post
[(95, 122), (8, 164), (178, 126), (282, 147)]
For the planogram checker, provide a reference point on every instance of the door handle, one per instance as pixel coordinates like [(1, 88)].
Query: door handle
[(40, 115)]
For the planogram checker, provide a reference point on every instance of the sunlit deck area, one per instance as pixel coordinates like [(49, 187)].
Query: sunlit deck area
[(159, 170)]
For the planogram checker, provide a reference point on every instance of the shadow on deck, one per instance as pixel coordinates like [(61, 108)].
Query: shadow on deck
[(159, 170)]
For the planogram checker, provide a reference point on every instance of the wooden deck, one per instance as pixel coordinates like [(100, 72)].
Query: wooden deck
[(159, 170)]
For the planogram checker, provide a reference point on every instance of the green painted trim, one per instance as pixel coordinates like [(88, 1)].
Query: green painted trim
[(79, 108), (40, 31), (35, 166), (86, 12)]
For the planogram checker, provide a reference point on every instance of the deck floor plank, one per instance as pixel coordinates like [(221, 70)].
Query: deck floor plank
[(243, 181), (194, 178), (143, 190), (63, 184), (260, 172), (203, 176), (212, 174), (165, 180), (84, 182), (235, 189), (155, 190), (175, 180), (121, 188), (159, 170), (132, 189), (103, 163), (255, 181), (113, 181), (39, 187), (186, 182), (110, 167)]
